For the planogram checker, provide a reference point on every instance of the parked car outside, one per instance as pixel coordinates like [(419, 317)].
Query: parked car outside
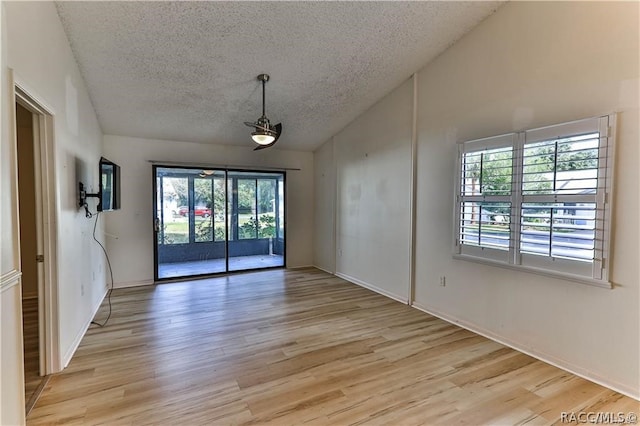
[(201, 211)]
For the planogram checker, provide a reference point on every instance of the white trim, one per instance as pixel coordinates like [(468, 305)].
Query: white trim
[(402, 299), (128, 284), (456, 243), (609, 191), (534, 270), (413, 195), (78, 339), (44, 155), (542, 356), (292, 268), (38, 137), (334, 230), (33, 102), (13, 171), (554, 131), (9, 279), (334, 169), (491, 142), (504, 142), (324, 270), (515, 256), (491, 254)]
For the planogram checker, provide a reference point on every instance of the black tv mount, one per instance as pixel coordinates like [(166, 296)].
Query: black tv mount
[(83, 195), (82, 198)]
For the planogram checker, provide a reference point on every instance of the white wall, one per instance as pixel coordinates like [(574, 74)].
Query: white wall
[(531, 64), (11, 358), (11, 361), (132, 252), (373, 167), (8, 185), (36, 48), (324, 180)]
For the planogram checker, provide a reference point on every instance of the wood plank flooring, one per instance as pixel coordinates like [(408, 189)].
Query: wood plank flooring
[(33, 382), (296, 347)]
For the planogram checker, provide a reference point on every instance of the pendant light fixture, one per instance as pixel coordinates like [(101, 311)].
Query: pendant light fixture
[(265, 135)]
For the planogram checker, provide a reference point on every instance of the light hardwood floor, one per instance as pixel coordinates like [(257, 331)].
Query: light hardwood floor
[(33, 382), (294, 347)]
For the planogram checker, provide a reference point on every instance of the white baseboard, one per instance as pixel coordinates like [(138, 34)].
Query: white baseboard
[(324, 270), (544, 357), (76, 342), (402, 299), (295, 268), (128, 284)]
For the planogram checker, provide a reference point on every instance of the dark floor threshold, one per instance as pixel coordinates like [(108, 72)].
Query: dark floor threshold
[(214, 275)]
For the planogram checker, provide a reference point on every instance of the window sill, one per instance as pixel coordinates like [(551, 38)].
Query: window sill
[(532, 270)]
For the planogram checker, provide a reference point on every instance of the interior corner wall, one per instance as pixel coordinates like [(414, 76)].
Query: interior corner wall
[(373, 168), (324, 180), (130, 240), (529, 65), (42, 62)]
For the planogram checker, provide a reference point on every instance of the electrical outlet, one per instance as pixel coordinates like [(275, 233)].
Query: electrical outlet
[(443, 281), (81, 289)]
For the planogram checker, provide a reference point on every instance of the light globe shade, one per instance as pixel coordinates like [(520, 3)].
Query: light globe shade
[(262, 138)]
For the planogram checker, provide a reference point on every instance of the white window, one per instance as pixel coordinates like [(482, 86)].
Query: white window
[(538, 200)]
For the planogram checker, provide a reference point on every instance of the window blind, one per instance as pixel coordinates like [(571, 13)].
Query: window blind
[(538, 197)]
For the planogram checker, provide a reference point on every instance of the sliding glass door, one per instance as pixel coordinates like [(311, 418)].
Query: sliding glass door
[(216, 221)]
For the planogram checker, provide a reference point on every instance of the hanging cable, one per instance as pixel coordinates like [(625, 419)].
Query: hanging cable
[(95, 225), (87, 213)]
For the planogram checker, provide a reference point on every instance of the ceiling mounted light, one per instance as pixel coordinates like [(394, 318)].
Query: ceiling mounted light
[(265, 135), (262, 136)]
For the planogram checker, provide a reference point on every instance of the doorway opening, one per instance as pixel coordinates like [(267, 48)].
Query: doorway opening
[(217, 221), (28, 251), (37, 241)]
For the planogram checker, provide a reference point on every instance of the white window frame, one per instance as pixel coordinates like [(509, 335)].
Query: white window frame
[(593, 273), (478, 145)]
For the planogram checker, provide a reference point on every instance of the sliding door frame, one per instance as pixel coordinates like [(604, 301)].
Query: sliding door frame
[(226, 171)]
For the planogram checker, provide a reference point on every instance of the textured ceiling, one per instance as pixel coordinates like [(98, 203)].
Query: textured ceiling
[(187, 70)]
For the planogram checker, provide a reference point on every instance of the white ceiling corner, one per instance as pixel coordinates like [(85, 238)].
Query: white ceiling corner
[(186, 71)]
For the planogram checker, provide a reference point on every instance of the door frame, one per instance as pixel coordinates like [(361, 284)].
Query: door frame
[(46, 219), (226, 170)]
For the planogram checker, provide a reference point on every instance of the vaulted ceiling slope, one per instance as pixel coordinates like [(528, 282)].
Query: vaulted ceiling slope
[(187, 70)]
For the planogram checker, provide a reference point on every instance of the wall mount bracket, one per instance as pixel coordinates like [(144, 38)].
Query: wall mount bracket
[(83, 195)]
